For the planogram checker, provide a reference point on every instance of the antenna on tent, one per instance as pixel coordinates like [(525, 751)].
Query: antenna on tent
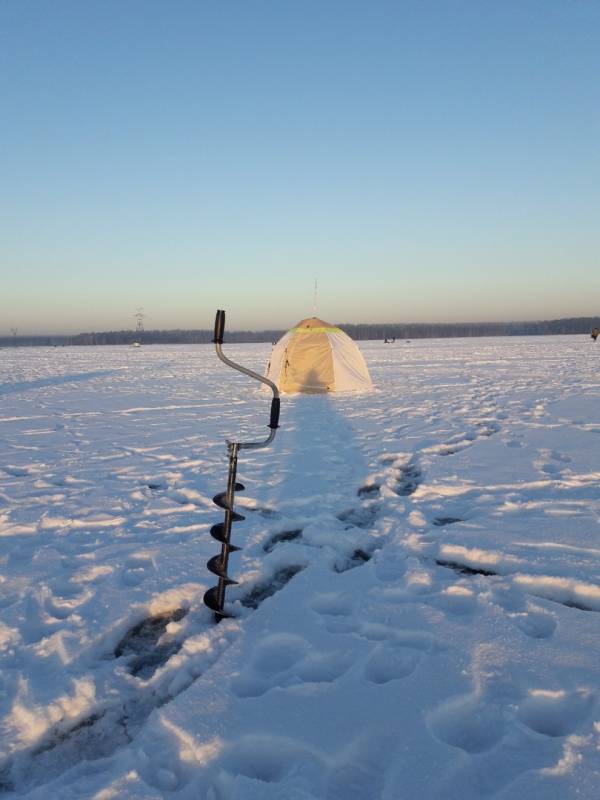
[(315, 300)]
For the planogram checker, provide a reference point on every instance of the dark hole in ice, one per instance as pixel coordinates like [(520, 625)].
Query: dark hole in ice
[(142, 642), (359, 517), (284, 536), (463, 569), (261, 591), (370, 490), (63, 736), (357, 558), (574, 604), (264, 512), (6, 784), (409, 481)]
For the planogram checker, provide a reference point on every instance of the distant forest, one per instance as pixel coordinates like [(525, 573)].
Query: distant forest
[(373, 331)]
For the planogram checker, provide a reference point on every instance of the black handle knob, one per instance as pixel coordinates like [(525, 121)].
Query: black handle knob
[(219, 327), (274, 421)]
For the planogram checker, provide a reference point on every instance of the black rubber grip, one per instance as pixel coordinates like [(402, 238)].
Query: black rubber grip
[(274, 421), (219, 327)]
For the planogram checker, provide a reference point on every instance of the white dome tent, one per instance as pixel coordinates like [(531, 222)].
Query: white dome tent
[(315, 357)]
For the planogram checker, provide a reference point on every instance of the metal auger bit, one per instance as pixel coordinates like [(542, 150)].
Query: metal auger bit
[(211, 600)]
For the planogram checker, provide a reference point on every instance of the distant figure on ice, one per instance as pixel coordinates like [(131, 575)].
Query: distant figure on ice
[(594, 333)]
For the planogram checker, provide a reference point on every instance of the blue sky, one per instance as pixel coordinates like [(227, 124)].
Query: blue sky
[(426, 161)]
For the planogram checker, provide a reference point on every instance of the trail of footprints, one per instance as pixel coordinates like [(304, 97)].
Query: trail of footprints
[(285, 660), (473, 722), (148, 645)]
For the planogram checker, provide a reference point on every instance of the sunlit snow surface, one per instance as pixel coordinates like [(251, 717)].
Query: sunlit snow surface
[(419, 584)]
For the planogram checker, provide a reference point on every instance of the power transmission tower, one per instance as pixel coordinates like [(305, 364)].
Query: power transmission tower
[(139, 315), (139, 326)]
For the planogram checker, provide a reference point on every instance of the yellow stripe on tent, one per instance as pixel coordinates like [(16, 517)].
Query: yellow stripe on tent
[(315, 330)]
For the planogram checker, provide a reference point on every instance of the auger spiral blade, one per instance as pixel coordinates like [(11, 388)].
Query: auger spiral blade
[(221, 531), (221, 501), (215, 565), (218, 532), (211, 600)]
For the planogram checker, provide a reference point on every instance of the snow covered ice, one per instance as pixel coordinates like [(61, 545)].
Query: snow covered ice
[(419, 587)]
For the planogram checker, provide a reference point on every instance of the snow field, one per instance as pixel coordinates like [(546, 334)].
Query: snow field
[(419, 583)]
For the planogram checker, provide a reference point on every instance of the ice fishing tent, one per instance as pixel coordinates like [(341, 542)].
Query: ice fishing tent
[(315, 357)]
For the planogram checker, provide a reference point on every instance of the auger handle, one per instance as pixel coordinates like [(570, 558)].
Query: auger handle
[(219, 327), (275, 402), (274, 421)]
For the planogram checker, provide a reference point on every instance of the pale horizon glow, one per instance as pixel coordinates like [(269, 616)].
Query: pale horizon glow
[(425, 162)]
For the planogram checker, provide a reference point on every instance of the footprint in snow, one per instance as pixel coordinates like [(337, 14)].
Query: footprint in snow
[(155, 483), (390, 566), (369, 491), (514, 443), (136, 569), (551, 462), (356, 559), (343, 563), (558, 456), (468, 723), (457, 599), (488, 427), (416, 581), (535, 622), (263, 511), (362, 517), (548, 467), (333, 603), (253, 767), (286, 660), (391, 662), (406, 475), (359, 772), (555, 713), (409, 479), (159, 759), (17, 472), (337, 610)]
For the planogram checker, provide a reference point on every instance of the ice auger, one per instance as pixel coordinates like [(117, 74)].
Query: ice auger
[(214, 598)]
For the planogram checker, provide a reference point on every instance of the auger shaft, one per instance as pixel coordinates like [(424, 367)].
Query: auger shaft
[(225, 546)]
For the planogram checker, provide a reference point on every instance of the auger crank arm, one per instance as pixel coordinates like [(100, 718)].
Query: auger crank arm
[(275, 402)]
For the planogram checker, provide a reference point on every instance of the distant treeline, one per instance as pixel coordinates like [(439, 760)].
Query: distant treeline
[(414, 330), (424, 330)]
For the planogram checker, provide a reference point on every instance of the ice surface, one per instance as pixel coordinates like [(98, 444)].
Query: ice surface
[(419, 579)]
